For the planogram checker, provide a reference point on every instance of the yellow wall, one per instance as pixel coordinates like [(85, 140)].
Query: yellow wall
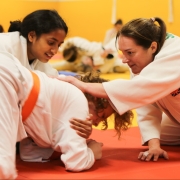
[(17, 9), (91, 18)]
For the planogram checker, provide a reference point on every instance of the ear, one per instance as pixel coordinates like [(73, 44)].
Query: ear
[(31, 36), (153, 47)]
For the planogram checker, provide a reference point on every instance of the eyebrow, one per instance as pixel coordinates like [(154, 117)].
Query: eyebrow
[(128, 50), (56, 40)]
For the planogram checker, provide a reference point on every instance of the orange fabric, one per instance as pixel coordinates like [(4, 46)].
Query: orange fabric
[(33, 96)]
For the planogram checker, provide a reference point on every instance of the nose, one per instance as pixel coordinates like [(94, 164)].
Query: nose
[(96, 122), (124, 59), (54, 50)]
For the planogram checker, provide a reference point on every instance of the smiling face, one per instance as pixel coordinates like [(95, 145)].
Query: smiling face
[(136, 57), (97, 117), (45, 46)]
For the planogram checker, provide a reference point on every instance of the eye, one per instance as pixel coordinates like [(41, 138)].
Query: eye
[(51, 43), (129, 53)]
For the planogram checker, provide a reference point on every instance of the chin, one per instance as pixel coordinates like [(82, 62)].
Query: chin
[(136, 71), (44, 60)]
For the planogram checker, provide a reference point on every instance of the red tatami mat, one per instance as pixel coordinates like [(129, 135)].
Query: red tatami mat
[(119, 161)]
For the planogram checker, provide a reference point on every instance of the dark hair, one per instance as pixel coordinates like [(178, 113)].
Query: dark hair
[(121, 122), (15, 26), (145, 31), (42, 21), (70, 52), (1, 29), (119, 21)]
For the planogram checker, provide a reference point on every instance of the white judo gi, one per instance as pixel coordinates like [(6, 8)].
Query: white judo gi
[(16, 45), (48, 124), (157, 89), (94, 50)]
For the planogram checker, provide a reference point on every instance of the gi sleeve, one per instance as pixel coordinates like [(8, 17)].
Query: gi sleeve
[(149, 121), (76, 156)]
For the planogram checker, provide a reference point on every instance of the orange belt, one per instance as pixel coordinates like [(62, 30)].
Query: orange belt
[(32, 98)]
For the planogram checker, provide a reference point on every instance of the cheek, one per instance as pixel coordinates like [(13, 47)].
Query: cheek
[(140, 59), (42, 45), (36, 47), (146, 59)]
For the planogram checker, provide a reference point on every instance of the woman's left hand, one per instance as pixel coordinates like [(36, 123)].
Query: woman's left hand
[(83, 127)]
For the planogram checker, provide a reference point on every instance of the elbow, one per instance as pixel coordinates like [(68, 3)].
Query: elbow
[(78, 162), (80, 166)]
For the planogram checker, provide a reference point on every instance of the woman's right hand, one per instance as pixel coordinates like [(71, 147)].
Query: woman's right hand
[(70, 79), (154, 151)]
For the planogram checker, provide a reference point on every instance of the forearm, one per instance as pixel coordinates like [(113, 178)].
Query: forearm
[(96, 89)]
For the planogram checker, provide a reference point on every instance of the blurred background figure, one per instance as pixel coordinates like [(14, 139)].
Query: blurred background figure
[(1, 29), (82, 55), (111, 33)]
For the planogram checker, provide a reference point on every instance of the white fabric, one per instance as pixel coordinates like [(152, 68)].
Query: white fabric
[(155, 83), (110, 34), (14, 91), (16, 45), (93, 49), (48, 124), (169, 131), (31, 152)]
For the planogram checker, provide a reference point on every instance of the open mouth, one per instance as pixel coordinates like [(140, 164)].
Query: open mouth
[(49, 56)]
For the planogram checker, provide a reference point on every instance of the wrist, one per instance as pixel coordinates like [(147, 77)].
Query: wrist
[(155, 142), (85, 87)]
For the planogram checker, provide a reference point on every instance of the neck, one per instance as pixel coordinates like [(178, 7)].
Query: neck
[(31, 61)]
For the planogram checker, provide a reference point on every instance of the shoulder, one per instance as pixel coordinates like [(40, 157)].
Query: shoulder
[(171, 39), (9, 37), (171, 46)]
